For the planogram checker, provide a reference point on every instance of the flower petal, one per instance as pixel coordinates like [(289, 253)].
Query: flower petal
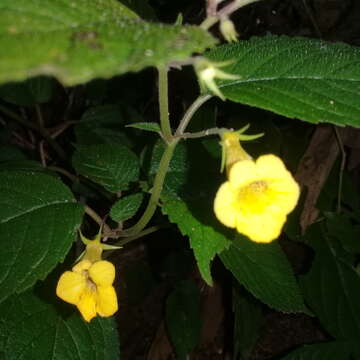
[(81, 266), (70, 287), (107, 304), (242, 173), (87, 303), (261, 228), (102, 273), (224, 205)]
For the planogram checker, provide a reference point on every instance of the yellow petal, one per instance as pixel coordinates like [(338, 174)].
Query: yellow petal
[(107, 304), (102, 273), (70, 287), (270, 165), (87, 303), (242, 173), (261, 228), (81, 266), (224, 203)]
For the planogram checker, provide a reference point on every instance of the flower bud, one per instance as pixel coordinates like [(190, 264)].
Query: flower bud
[(228, 30)]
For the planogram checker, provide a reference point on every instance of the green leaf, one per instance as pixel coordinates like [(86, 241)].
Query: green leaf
[(311, 80), (183, 318), (31, 328), (247, 322), (80, 40), (324, 351), (341, 227), (38, 222), (331, 287), (101, 125), (25, 165), (265, 272), (207, 238), (33, 91), (126, 207), (147, 126), (111, 165)]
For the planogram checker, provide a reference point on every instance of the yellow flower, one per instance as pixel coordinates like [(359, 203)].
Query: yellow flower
[(257, 196), (89, 284)]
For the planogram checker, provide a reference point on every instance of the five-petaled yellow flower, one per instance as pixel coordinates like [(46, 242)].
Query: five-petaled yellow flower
[(89, 284), (258, 195)]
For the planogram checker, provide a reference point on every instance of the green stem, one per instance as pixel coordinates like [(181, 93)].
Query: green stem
[(60, 152), (164, 103), (156, 191), (142, 233), (190, 113)]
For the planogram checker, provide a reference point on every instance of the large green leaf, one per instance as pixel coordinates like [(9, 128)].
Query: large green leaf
[(111, 165), (30, 328), (38, 222), (265, 272), (311, 80), (331, 287), (324, 351), (76, 41), (183, 318)]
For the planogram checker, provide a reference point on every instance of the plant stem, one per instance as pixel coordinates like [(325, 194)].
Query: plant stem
[(342, 167), (190, 112), (94, 215), (147, 231), (199, 134), (226, 11), (164, 103), (60, 152), (156, 191)]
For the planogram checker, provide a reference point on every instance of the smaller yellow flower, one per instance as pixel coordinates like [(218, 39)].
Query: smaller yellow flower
[(89, 287), (89, 284)]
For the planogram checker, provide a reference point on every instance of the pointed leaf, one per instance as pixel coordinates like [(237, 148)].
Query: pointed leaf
[(38, 222), (311, 80), (31, 328), (126, 207), (77, 41), (265, 272), (147, 126), (111, 165)]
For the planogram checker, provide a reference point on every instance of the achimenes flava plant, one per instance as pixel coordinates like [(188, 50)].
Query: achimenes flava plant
[(238, 214)]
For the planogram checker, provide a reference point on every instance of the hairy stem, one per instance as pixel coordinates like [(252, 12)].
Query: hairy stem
[(156, 191), (164, 103), (190, 113)]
